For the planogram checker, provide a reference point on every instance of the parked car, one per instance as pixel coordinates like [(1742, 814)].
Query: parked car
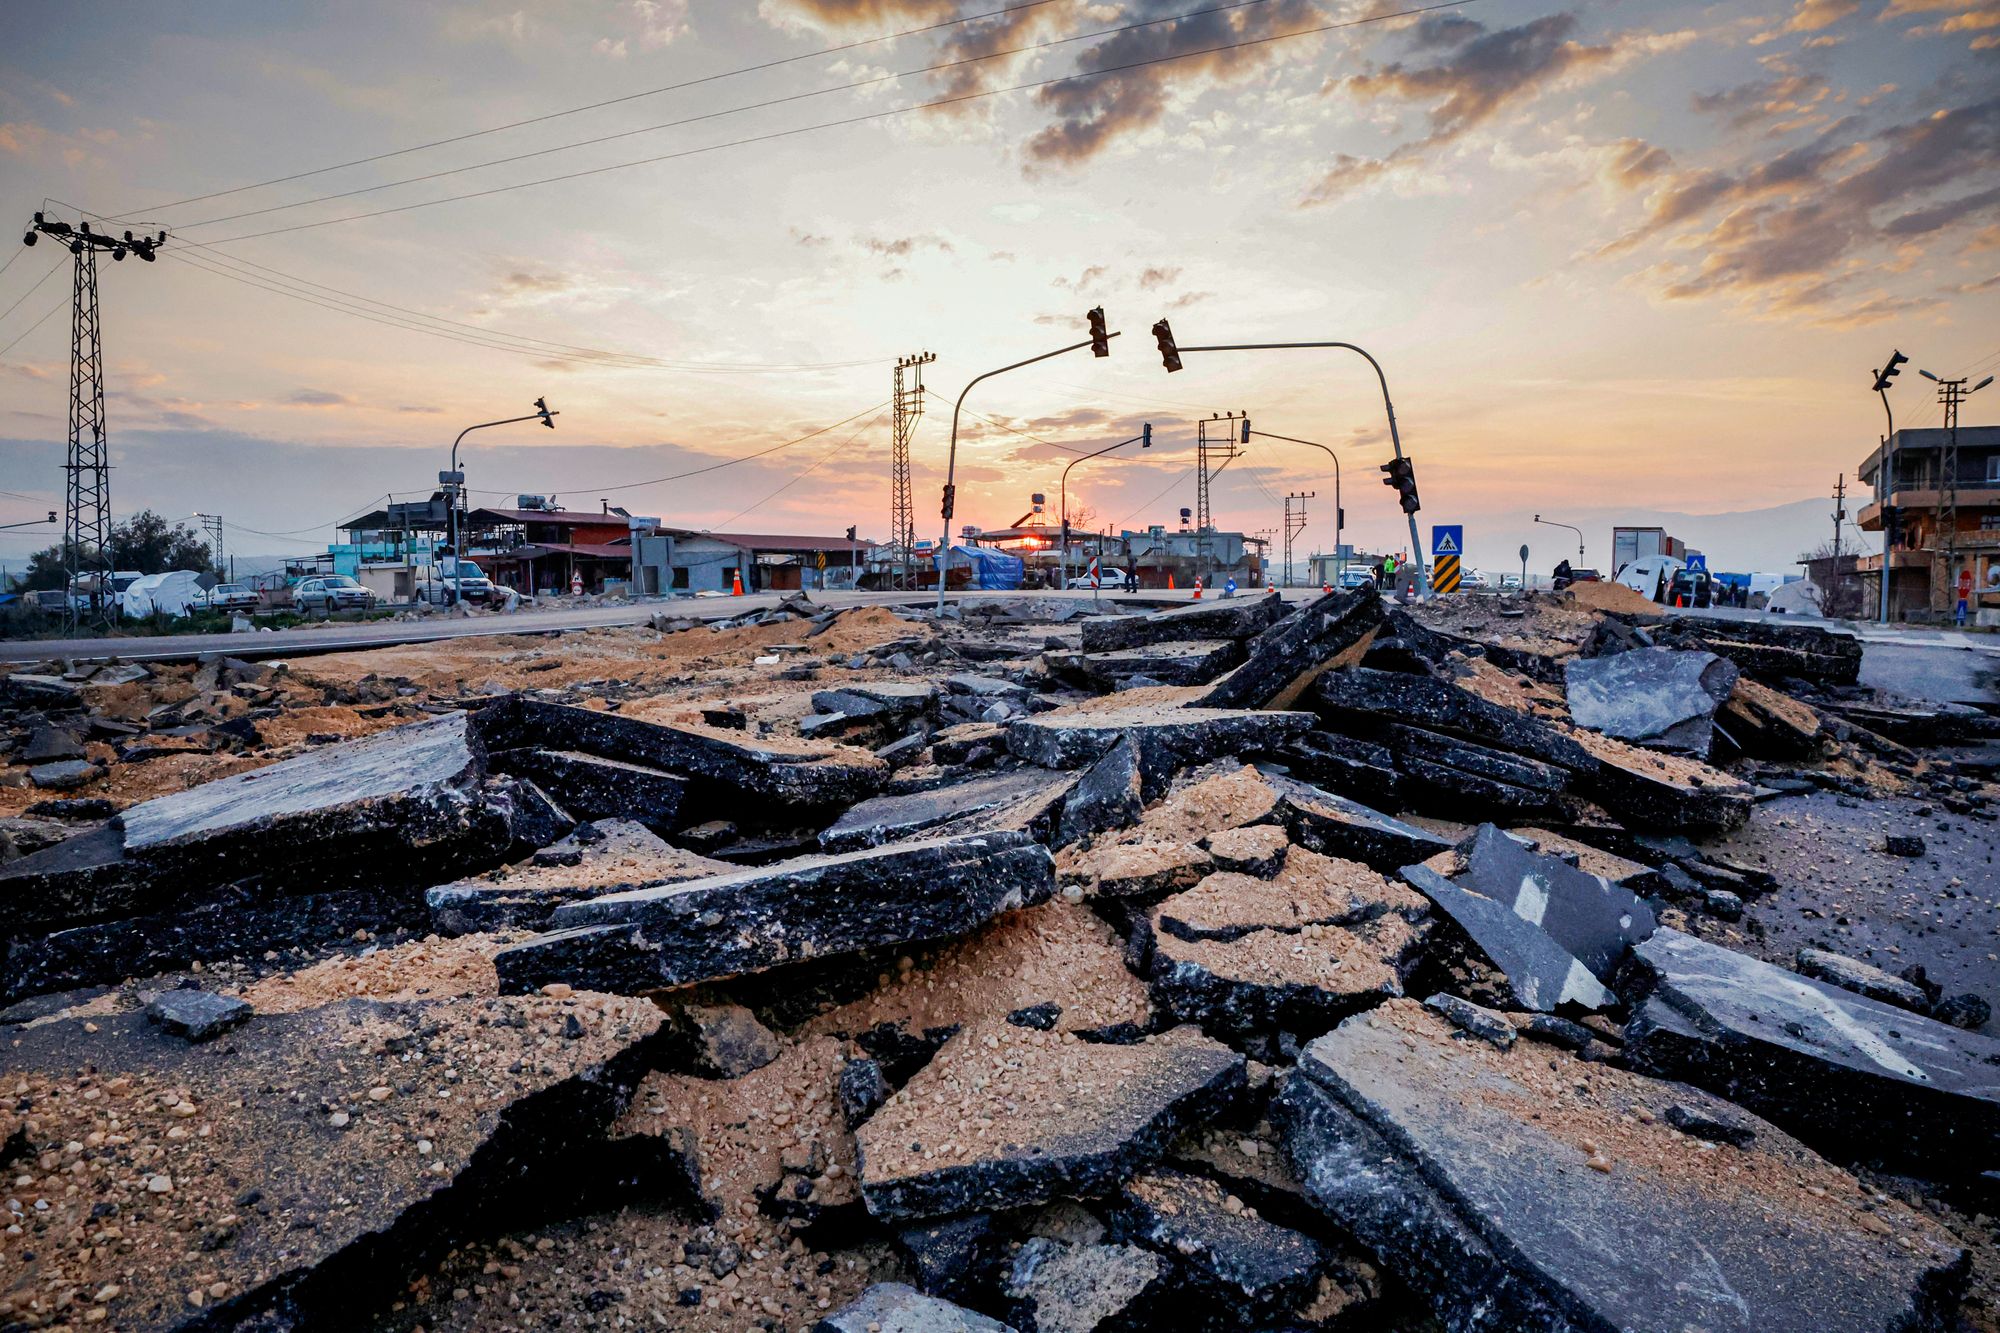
[(449, 581), (226, 597), (1357, 578), (1472, 578), (1510, 583), (330, 593)]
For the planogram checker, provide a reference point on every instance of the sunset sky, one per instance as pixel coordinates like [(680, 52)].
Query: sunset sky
[(1613, 256)]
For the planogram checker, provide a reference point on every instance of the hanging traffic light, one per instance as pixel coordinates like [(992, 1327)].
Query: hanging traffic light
[(850, 531), (1246, 428), (1403, 477), (1100, 339), (1170, 355), (1889, 371), (1146, 436), (542, 407)]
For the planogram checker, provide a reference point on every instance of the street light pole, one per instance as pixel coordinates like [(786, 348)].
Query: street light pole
[(1146, 438), (951, 459), (456, 487), (1572, 527), (1395, 439), (1339, 514)]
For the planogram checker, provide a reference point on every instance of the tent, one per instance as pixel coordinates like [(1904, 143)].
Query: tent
[(167, 593), (992, 571)]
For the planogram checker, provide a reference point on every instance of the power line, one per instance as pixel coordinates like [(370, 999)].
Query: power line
[(1004, 426), (731, 462), (888, 113), (824, 459), (1157, 498), (36, 325), (53, 269), (597, 106), (854, 85)]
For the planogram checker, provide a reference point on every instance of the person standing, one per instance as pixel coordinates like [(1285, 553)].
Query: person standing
[(1964, 592)]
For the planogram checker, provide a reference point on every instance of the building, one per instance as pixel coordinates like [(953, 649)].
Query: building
[(1922, 580), (537, 548), (1156, 555)]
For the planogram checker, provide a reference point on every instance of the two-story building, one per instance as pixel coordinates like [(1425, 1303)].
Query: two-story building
[(1922, 579)]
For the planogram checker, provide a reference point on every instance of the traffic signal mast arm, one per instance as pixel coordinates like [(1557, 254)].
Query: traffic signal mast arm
[(951, 458), (1170, 355)]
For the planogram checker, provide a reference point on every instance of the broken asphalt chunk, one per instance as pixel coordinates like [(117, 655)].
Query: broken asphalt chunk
[(1240, 619), (1256, 1266), (1517, 1196), (892, 1307), (1059, 1286), (1338, 827), (1007, 1116), (1192, 663), (1593, 919), (794, 911), (294, 1196), (1541, 974), (1284, 660), (1109, 795), (598, 858), (887, 819), (197, 1015), (1660, 697), (1166, 739), (593, 787), (1301, 981), (1853, 1076)]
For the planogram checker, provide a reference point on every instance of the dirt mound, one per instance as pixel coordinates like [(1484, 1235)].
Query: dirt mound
[(1612, 597)]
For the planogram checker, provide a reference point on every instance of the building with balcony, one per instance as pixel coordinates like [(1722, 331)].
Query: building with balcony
[(1910, 490)]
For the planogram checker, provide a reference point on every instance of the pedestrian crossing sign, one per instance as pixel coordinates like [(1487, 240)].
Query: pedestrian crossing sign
[(1448, 539)]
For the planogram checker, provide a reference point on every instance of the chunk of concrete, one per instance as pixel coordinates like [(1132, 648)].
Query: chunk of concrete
[(1256, 1266), (1282, 662), (1848, 1074), (1055, 1286), (593, 787), (1007, 1116), (1237, 619), (612, 856), (893, 1307), (795, 911), (1857, 976), (295, 1195), (1661, 697), (1566, 1200), (198, 1015), (886, 819), (1166, 739)]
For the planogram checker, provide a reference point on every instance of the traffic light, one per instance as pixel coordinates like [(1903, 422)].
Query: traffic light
[(1170, 355), (1100, 340), (542, 407), (1403, 477), (850, 531), (1889, 371), (1146, 436), (1246, 428), (950, 496)]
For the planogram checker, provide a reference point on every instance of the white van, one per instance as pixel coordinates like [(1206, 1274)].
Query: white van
[(1651, 575)]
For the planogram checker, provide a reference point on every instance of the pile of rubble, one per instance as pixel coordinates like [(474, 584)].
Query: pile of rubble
[(1235, 965)]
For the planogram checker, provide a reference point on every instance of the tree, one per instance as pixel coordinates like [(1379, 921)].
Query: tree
[(143, 542)]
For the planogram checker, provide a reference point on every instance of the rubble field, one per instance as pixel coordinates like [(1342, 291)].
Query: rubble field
[(1523, 963)]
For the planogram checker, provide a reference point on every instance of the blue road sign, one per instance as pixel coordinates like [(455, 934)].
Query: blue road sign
[(1699, 562), (1448, 539)]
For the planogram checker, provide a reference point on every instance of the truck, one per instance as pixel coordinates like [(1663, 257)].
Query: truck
[(1633, 544)]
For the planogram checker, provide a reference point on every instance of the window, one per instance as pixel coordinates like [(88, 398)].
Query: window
[(1993, 469)]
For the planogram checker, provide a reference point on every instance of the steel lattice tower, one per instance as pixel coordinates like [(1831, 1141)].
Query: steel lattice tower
[(1215, 438), (1295, 523), (87, 498), (87, 508), (908, 402), (1944, 545)]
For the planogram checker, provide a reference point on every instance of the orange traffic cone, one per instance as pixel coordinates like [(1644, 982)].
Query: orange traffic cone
[(736, 583), (1170, 583), (1677, 599), (1325, 588), (1197, 589)]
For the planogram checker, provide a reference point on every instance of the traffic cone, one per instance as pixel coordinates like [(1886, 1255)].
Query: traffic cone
[(1170, 583), (736, 583), (1677, 599), (1197, 589), (1325, 588)]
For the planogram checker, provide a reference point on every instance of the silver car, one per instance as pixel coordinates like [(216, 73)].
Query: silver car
[(230, 597), (330, 593)]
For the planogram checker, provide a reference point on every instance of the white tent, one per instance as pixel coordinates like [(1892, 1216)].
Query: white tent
[(166, 593)]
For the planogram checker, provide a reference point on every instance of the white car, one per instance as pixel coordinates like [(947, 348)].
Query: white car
[(1472, 578), (1510, 583), (227, 597), (1357, 578)]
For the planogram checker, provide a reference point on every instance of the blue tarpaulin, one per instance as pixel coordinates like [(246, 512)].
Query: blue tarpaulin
[(992, 571)]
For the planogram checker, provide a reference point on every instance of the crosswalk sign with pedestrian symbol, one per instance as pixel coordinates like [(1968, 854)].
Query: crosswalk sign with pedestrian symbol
[(1447, 546)]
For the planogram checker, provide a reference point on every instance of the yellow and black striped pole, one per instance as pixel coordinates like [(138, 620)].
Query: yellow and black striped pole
[(1444, 573)]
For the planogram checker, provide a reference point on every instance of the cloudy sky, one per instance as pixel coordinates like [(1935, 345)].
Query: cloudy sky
[(1613, 256)]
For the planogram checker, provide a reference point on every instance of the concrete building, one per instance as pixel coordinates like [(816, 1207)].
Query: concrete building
[(1922, 582), (1157, 554)]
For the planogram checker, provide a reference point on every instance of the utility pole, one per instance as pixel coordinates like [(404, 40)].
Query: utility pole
[(1216, 437), (1945, 544), (212, 525), (908, 405), (1294, 525), (1885, 475), (1839, 517), (87, 498)]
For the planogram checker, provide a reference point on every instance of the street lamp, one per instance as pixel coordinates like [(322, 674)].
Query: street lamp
[(1572, 527), (1170, 356), (1145, 438), (1885, 473), (454, 484), (1339, 514), (1099, 344)]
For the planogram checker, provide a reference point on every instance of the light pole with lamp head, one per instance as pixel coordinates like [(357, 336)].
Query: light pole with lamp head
[(1099, 343), (454, 482), (1573, 528), (1339, 514), (1145, 439), (1885, 473)]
